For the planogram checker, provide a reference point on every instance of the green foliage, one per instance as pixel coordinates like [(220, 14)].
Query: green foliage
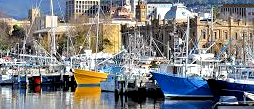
[(216, 11), (4, 46), (62, 44), (18, 32), (5, 41)]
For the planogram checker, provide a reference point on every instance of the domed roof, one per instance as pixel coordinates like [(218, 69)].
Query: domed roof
[(178, 11)]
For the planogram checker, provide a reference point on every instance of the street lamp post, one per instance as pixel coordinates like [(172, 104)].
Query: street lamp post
[(80, 48)]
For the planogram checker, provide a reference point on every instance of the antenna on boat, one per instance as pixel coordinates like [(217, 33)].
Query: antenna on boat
[(187, 43)]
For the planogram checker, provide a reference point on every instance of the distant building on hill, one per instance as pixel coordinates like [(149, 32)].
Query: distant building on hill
[(156, 9), (238, 11), (75, 8)]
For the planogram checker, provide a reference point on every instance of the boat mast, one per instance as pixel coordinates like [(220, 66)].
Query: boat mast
[(53, 43), (212, 38), (97, 36), (187, 44)]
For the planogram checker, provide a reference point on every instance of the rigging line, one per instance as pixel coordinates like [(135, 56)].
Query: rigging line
[(86, 38), (40, 46), (62, 15), (68, 31), (29, 30), (158, 49), (88, 33), (159, 42), (37, 7)]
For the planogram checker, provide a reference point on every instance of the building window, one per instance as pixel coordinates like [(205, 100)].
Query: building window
[(219, 34), (226, 34), (236, 36), (203, 34), (215, 35), (251, 36)]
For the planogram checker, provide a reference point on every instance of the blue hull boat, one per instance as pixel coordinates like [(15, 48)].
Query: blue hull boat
[(226, 88), (234, 86), (173, 86)]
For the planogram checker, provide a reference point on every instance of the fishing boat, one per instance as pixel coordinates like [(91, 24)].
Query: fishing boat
[(235, 77), (181, 78), (88, 77), (186, 80), (89, 73), (175, 85), (235, 83)]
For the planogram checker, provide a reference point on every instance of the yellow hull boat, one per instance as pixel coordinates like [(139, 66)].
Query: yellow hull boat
[(88, 77)]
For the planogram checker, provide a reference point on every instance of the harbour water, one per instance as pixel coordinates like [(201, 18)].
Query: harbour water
[(60, 97)]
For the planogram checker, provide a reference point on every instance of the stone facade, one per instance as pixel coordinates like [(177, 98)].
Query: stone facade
[(200, 31), (141, 12), (160, 32), (240, 31), (111, 35)]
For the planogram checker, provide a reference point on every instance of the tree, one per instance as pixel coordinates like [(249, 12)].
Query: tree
[(216, 11), (62, 44), (85, 28), (18, 32), (4, 36)]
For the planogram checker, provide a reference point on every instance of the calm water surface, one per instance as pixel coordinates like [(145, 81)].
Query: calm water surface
[(59, 97)]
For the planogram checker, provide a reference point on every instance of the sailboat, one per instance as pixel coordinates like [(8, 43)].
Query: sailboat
[(183, 80), (89, 77)]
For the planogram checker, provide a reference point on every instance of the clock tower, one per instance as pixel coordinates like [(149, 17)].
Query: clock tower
[(141, 11)]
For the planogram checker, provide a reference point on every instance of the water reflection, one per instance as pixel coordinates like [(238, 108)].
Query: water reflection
[(187, 104), (87, 97), (60, 97)]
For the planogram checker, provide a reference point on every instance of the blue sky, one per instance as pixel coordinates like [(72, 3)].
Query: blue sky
[(19, 8)]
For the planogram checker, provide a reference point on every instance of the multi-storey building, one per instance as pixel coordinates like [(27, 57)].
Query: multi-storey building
[(240, 11), (45, 22), (202, 33), (241, 32), (75, 8)]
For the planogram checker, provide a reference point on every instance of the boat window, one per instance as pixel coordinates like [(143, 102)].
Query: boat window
[(251, 74), (244, 72)]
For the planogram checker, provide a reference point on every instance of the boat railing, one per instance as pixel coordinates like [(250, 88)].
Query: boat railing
[(238, 76)]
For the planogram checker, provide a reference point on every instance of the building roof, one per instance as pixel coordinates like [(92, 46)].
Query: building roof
[(59, 29), (159, 3), (238, 6), (178, 11)]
